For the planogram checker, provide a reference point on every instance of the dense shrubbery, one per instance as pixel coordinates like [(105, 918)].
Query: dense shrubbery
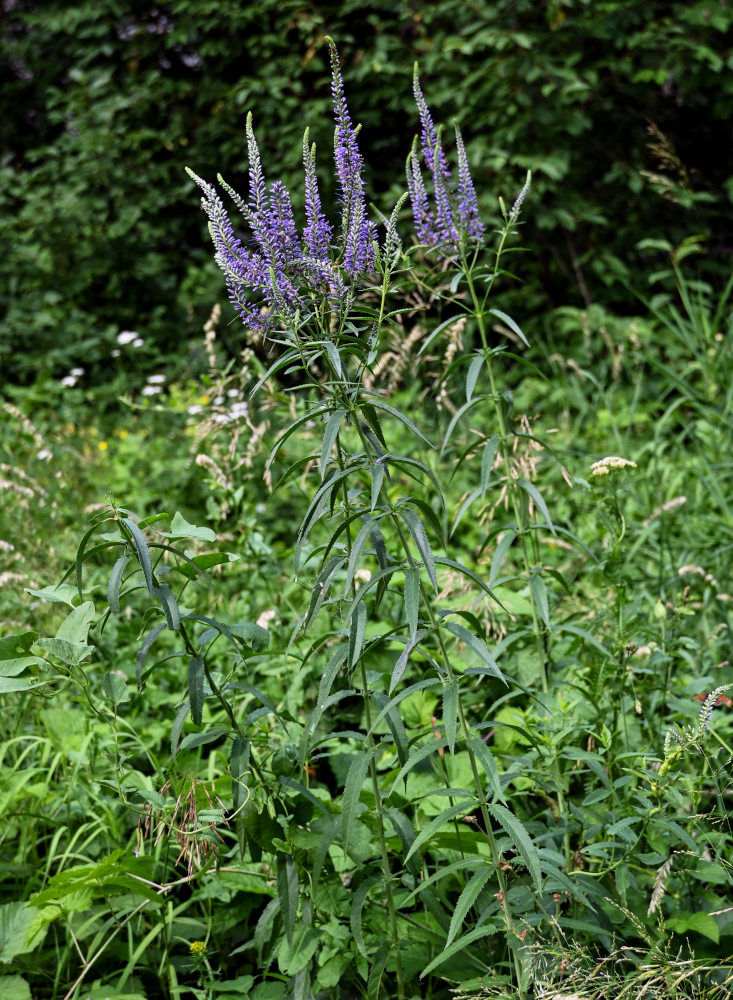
[(103, 105), (442, 700)]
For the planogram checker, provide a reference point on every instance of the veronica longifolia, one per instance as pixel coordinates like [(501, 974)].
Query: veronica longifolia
[(277, 275), (453, 219)]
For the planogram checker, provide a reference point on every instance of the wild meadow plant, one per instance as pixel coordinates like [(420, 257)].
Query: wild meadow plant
[(438, 774)]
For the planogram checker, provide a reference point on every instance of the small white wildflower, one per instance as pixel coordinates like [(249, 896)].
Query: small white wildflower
[(232, 393), (218, 400), (265, 618), (68, 381), (156, 379), (77, 371), (116, 352), (610, 463), (193, 410), (691, 570), (45, 454), (126, 337), (138, 342), (151, 390)]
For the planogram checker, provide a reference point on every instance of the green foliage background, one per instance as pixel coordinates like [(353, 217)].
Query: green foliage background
[(104, 102)]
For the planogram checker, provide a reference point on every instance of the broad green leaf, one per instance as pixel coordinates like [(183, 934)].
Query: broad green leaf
[(468, 897), (8, 685), (181, 528), (14, 988), (64, 593), (287, 892), (14, 646), (12, 668), (75, 627), (71, 653), (521, 840), (254, 635), (114, 686), (19, 932), (701, 923), (196, 689)]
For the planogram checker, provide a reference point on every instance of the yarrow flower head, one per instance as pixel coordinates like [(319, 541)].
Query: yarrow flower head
[(453, 218), (612, 463), (276, 275)]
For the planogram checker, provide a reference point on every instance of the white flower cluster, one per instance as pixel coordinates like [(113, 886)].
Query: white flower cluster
[(610, 464), (154, 385), (70, 380), (125, 337)]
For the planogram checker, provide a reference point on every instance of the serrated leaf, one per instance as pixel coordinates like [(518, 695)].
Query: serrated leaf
[(476, 645), (352, 790), (419, 536), (143, 552), (521, 840), (380, 404), (486, 759), (355, 912), (201, 739), (196, 689), (402, 660), (333, 426), (539, 594), (474, 370), (115, 582), (287, 892), (412, 599), (416, 756), (450, 711), (435, 824), (531, 490), (169, 605), (395, 723), (510, 323), (459, 945), (468, 897)]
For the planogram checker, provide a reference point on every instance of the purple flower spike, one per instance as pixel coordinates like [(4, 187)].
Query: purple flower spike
[(318, 231), (453, 220)]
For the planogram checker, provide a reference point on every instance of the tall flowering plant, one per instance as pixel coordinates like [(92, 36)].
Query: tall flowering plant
[(301, 289)]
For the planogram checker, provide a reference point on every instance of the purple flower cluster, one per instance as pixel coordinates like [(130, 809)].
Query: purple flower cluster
[(453, 218), (275, 276)]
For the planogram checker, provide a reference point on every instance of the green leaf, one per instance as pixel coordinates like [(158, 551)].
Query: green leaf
[(201, 739), (75, 627), (435, 824), (381, 405), (19, 930), (417, 754), (450, 711), (143, 651), (417, 530), (12, 668), (521, 840), (701, 923), (488, 456), (114, 686), (476, 645), (14, 988), (196, 689), (8, 685), (510, 323), (355, 912), (287, 892), (64, 593), (500, 554), (169, 605), (468, 897), (143, 552), (486, 759), (459, 945), (539, 593), (474, 370), (402, 660), (14, 646), (115, 582), (412, 599), (238, 767), (177, 727), (333, 426), (71, 653), (356, 634), (352, 790), (395, 723), (531, 490), (181, 528)]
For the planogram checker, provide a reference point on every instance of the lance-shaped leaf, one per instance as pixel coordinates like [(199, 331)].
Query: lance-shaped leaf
[(196, 689), (419, 536)]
